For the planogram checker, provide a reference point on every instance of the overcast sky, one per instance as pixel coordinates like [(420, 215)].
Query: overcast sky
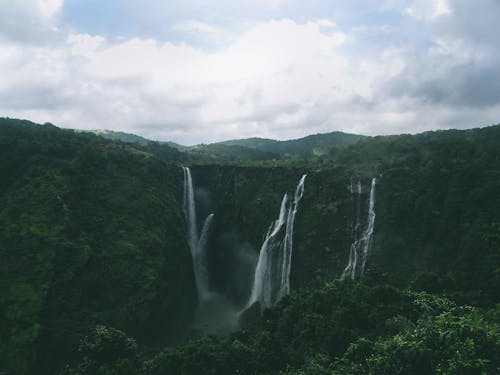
[(196, 71)]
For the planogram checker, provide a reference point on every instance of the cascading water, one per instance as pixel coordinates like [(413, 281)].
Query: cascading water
[(200, 263), (198, 247), (350, 269), (371, 224), (262, 285), (189, 209), (288, 246), (272, 274), (361, 245)]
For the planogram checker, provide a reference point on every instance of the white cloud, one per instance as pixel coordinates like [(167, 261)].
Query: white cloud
[(84, 45), (326, 23), (194, 26), (49, 8), (29, 21), (429, 9), (161, 86), (278, 78)]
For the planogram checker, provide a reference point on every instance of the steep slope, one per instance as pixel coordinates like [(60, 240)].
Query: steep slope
[(89, 235)]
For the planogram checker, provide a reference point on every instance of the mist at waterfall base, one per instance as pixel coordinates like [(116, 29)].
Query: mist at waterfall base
[(230, 258), (223, 264), (231, 263)]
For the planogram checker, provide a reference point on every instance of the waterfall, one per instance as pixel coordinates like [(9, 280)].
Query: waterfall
[(272, 274), (361, 245), (262, 285), (198, 247), (288, 246), (190, 210), (369, 229), (200, 261), (350, 269)]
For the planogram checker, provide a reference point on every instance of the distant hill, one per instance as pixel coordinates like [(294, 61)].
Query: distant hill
[(249, 148), (131, 138), (316, 144), (120, 136), (224, 153)]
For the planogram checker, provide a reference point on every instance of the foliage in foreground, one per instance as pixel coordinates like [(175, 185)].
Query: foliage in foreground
[(343, 328)]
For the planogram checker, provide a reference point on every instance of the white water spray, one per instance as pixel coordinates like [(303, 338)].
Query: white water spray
[(197, 246), (272, 274), (361, 246)]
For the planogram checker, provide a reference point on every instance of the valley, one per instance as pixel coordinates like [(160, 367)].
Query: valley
[(324, 255)]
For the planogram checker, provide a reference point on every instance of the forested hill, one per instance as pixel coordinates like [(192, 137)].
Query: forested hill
[(89, 234), (130, 138), (96, 275), (249, 149), (316, 144)]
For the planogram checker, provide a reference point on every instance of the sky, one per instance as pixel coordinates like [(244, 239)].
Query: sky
[(199, 71)]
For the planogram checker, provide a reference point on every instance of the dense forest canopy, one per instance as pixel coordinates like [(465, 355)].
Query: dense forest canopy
[(96, 274)]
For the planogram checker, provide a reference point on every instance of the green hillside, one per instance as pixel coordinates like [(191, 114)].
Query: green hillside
[(89, 235), (96, 275)]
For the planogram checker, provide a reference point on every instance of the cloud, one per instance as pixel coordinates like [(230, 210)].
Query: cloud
[(140, 83), (29, 21), (436, 67), (462, 63), (429, 9)]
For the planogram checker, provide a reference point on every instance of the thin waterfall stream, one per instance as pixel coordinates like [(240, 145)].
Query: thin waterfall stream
[(361, 245), (197, 245)]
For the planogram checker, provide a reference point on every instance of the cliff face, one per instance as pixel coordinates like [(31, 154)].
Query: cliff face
[(246, 200), (436, 213)]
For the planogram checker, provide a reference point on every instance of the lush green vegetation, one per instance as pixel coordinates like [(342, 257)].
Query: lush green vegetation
[(93, 250), (440, 190), (342, 328), (89, 235)]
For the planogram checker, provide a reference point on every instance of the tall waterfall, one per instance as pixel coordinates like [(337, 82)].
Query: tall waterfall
[(198, 246), (288, 246), (350, 269), (369, 229), (190, 210), (272, 274), (360, 248)]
